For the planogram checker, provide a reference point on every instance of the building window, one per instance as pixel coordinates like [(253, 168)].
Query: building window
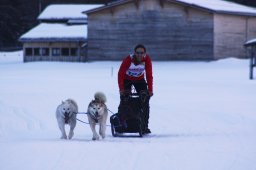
[(28, 52), (73, 51), (36, 51), (56, 51), (45, 51), (65, 51)]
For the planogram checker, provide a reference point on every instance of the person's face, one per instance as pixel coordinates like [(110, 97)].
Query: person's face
[(139, 53)]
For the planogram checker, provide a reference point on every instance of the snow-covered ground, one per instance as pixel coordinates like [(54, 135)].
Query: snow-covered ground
[(203, 117)]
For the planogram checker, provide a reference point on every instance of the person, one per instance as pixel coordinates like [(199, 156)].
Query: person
[(133, 71)]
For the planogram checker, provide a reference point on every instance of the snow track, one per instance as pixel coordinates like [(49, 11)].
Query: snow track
[(202, 117)]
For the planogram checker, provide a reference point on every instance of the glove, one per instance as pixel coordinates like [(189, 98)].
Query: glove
[(121, 92), (150, 93)]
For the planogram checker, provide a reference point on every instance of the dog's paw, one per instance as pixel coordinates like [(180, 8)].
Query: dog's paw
[(63, 137), (103, 136), (95, 137), (71, 134)]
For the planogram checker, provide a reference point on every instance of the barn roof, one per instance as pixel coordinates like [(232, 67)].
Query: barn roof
[(66, 11), (218, 6), (56, 32), (251, 42)]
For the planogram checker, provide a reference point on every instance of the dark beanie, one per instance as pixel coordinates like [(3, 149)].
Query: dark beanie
[(140, 46)]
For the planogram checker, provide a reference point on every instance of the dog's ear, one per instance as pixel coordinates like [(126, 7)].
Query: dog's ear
[(91, 102)]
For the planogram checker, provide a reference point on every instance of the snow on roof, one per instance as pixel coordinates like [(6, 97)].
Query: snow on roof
[(66, 11), (77, 21), (250, 43), (55, 32), (221, 6)]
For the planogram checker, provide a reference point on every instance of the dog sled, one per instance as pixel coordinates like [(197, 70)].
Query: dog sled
[(131, 115)]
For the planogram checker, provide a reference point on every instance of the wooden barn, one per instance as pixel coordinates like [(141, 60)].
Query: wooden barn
[(60, 36), (170, 29)]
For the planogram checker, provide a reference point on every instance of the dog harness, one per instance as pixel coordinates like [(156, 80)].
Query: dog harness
[(67, 117), (94, 117)]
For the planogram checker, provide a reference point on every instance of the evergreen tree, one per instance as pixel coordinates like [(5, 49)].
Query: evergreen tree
[(245, 2), (9, 24)]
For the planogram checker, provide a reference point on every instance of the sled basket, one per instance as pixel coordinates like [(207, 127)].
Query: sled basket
[(130, 117)]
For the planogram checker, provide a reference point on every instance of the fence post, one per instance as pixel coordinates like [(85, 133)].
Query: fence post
[(251, 63)]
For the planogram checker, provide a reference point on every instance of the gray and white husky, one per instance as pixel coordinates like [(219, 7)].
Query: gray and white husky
[(97, 113), (66, 114)]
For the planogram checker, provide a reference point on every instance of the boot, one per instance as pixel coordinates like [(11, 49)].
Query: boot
[(147, 131), (146, 118)]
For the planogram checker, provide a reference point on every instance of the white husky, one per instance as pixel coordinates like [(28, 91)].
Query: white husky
[(66, 114), (97, 113)]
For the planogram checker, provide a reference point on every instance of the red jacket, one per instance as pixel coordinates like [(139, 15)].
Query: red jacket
[(128, 70)]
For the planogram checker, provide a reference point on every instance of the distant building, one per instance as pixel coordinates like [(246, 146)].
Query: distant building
[(60, 36), (170, 29)]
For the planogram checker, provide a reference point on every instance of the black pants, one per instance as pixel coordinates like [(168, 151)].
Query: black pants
[(139, 86)]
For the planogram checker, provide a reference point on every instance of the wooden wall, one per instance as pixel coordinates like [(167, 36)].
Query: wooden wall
[(169, 31), (251, 28), (230, 34), (81, 56)]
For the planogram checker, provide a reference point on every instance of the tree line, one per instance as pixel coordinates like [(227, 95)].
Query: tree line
[(19, 16), (245, 2)]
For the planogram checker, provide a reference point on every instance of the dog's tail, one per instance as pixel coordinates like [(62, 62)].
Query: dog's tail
[(73, 102), (99, 96)]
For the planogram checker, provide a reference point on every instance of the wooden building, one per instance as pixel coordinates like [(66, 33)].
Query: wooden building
[(170, 29), (60, 36)]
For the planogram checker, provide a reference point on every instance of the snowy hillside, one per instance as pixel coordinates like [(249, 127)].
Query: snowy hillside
[(203, 117)]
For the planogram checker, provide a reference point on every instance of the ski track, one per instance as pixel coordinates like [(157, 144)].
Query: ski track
[(82, 152)]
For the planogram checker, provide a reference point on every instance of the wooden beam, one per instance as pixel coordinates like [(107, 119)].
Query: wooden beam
[(112, 10), (136, 2), (161, 3)]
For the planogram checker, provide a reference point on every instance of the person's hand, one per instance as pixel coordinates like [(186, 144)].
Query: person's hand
[(150, 93), (121, 92)]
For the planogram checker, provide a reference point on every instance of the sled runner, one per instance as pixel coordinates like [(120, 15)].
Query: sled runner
[(130, 117)]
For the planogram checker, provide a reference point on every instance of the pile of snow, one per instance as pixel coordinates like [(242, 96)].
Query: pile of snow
[(202, 117), (11, 57)]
